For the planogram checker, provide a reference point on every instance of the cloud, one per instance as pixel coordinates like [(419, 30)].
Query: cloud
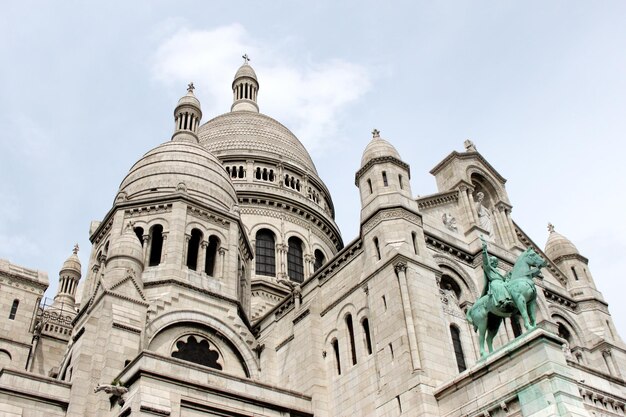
[(309, 98)]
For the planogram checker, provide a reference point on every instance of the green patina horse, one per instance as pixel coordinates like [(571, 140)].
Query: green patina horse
[(486, 316)]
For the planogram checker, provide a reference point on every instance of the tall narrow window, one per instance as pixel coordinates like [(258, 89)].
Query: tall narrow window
[(139, 234), (575, 274), (366, 331), (400, 182), (156, 245), (211, 255), (458, 349), (241, 172), (369, 183), (193, 248), (265, 253), (295, 262), (14, 307), (351, 336), (414, 239), (385, 182), (377, 248), (258, 173), (335, 344), (320, 259)]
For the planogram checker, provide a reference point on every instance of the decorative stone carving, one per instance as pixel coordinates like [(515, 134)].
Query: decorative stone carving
[(449, 221)]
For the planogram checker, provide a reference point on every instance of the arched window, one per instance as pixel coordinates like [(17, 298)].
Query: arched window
[(241, 172), (211, 255), (139, 234), (156, 245), (377, 248), (264, 174), (295, 263), (320, 259), (265, 253), (385, 182), (458, 349), (400, 182), (193, 247), (335, 344), (564, 333), (351, 338), (258, 173), (366, 332), (14, 307), (271, 177)]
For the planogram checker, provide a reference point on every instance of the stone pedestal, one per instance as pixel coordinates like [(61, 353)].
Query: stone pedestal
[(527, 377)]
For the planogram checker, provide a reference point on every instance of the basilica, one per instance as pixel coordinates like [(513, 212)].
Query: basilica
[(218, 284)]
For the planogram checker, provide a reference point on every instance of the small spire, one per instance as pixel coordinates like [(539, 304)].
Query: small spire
[(190, 87), (75, 250), (246, 59), (375, 133), (550, 228)]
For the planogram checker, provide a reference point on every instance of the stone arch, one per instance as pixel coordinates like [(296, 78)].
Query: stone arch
[(269, 226), (481, 179), (558, 315), (159, 220), (346, 309), (466, 279), (194, 224), (5, 357), (305, 241), (179, 317)]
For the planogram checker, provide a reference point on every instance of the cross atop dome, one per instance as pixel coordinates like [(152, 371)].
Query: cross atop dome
[(376, 133), (75, 250), (550, 227), (246, 59), (190, 87)]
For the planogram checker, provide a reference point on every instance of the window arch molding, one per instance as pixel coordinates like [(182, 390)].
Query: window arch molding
[(466, 282), (158, 221), (559, 316), (206, 324), (254, 230), (490, 185)]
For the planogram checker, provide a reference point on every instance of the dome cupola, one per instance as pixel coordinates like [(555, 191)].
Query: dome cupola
[(245, 88), (69, 276), (558, 245), (187, 116), (378, 148)]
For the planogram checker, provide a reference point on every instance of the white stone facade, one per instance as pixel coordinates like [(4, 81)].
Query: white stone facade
[(219, 285)]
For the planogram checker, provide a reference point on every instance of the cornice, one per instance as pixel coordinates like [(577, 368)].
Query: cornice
[(438, 199), (467, 155), (381, 160)]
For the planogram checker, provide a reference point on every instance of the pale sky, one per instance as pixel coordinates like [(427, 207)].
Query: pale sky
[(86, 88)]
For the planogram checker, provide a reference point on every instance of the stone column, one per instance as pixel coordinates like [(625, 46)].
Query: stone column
[(400, 269), (202, 256), (249, 170), (146, 249), (308, 265), (468, 211), (185, 249), (221, 263)]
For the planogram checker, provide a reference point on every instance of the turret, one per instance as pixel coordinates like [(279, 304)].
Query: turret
[(245, 88), (389, 214), (69, 276), (566, 256), (187, 116), (383, 178)]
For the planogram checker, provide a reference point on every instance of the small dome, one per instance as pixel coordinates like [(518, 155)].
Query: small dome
[(189, 99), (72, 263), (127, 245), (245, 71), (378, 148), (558, 245), (178, 166)]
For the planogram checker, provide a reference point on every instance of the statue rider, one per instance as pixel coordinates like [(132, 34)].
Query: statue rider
[(494, 281)]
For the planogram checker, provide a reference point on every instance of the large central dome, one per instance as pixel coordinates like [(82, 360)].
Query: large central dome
[(248, 132)]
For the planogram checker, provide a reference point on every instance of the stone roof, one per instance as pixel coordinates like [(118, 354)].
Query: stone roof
[(178, 166), (252, 133), (558, 245)]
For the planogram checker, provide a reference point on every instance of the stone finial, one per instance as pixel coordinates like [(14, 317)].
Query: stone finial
[(75, 250), (550, 227), (246, 59), (375, 133), (469, 146), (190, 87)]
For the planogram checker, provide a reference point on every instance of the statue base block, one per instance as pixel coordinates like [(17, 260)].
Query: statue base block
[(527, 377)]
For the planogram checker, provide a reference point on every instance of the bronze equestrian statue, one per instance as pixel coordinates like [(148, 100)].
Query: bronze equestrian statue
[(505, 296)]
